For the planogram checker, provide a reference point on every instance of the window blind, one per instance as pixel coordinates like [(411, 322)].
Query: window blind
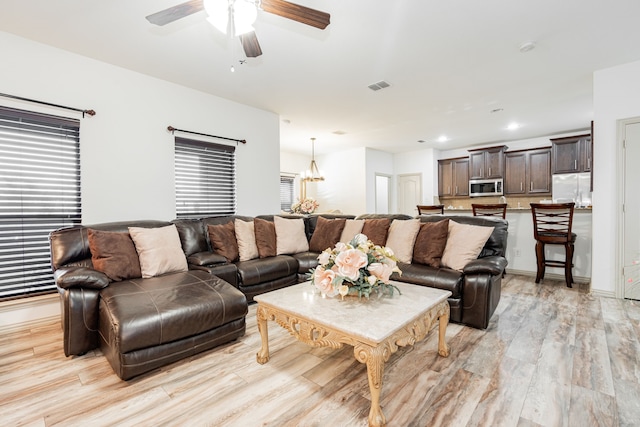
[(205, 179), (286, 192), (39, 193)]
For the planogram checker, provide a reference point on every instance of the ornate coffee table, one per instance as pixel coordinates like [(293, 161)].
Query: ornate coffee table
[(375, 327)]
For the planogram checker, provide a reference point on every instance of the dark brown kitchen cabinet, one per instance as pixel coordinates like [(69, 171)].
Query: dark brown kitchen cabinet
[(486, 163), (527, 172), (453, 177), (571, 154)]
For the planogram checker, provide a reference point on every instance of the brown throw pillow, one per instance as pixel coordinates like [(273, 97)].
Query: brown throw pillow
[(114, 254), (430, 243), (326, 234), (265, 237), (223, 240), (376, 230)]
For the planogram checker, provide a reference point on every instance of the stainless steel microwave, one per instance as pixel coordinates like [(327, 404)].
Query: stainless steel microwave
[(485, 187)]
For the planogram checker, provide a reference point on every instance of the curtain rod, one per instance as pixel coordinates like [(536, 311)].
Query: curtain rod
[(172, 130), (89, 112)]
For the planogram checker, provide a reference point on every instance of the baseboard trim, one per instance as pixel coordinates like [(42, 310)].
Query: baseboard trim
[(27, 313), (604, 294), (553, 276)]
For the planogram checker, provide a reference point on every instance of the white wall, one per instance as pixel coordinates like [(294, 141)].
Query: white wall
[(126, 151), (420, 161), (344, 187), (616, 95)]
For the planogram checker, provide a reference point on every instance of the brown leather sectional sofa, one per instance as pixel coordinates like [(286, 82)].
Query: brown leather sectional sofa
[(142, 324)]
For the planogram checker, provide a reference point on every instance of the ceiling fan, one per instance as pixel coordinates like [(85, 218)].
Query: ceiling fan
[(239, 15)]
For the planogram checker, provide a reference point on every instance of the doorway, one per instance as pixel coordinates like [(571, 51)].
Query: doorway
[(630, 234), (383, 191), (409, 193)]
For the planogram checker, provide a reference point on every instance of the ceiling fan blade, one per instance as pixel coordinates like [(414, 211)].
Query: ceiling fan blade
[(250, 44), (302, 14), (174, 13)]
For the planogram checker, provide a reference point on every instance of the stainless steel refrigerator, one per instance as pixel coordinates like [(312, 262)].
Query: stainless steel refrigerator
[(572, 187)]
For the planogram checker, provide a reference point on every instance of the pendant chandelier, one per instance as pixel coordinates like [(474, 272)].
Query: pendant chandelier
[(313, 173)]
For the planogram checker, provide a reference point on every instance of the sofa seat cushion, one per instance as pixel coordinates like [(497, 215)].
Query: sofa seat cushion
[(150, 312), (306, 261), (256, 271), (440, 278)]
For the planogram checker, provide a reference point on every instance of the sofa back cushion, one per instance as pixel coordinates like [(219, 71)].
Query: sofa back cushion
[(290, 236), (246, 237), (192, 236), (223, 240), (265, 237), (401, 238), (464, 244), (430, 243), (376, 230), (327, 233), (351, 228), (496, 245), (159, 250), (114, 254)]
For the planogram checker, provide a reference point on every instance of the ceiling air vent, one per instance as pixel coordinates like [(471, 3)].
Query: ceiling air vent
[(379, 85)]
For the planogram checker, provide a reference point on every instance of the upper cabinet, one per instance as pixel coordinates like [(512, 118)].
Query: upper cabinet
[(571, 154), (453, 177), (528, 172), (486, 163)]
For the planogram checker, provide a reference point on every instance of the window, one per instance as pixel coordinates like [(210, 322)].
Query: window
[(205, 175), (39, 193), (286, 192)]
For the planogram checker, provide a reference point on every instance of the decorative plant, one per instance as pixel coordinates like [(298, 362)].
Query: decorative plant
[(305, 206), (356, 268)]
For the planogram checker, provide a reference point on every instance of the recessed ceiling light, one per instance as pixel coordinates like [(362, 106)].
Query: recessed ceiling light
[(443, 138), (339, 132), (513, 126), (527, 46)]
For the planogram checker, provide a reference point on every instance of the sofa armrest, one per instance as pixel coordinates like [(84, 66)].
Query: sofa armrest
[(206, 258), (80, 277), (493, 265)]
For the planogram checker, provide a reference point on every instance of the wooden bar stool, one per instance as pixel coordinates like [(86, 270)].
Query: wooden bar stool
[(430, 209), (494, 209), (552, 226)]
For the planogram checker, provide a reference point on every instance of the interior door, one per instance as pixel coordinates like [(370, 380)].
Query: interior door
[(409, 193), (631, 223)]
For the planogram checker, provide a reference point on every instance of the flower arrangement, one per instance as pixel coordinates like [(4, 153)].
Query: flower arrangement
[(357, 268), (305, 206)]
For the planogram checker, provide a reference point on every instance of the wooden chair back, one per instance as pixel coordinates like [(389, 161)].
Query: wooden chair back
[(494, 209), (430, 209)]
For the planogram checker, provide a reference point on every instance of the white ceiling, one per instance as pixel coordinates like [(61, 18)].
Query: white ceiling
[(449, 63)]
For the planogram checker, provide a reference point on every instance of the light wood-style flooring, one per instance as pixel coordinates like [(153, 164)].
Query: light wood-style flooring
[(552, 356)]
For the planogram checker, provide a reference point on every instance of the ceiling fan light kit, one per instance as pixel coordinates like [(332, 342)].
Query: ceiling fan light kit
[(234, 17), (240, 16)]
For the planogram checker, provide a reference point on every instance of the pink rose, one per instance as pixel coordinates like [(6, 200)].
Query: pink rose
[(322, 279), (381, 271), (350, 262)]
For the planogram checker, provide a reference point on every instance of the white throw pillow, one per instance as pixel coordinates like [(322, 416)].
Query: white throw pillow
[(351, 228), (159, 250), (401, 238), (246, 237), (290, 236), (464, 244)]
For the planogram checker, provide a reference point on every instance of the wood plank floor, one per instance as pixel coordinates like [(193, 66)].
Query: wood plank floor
[(552, 356)]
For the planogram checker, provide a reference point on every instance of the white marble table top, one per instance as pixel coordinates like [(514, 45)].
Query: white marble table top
[(372, 319)]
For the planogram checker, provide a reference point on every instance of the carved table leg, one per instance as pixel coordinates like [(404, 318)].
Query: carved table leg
[(443, 348), (374, 357), (263, 355)]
